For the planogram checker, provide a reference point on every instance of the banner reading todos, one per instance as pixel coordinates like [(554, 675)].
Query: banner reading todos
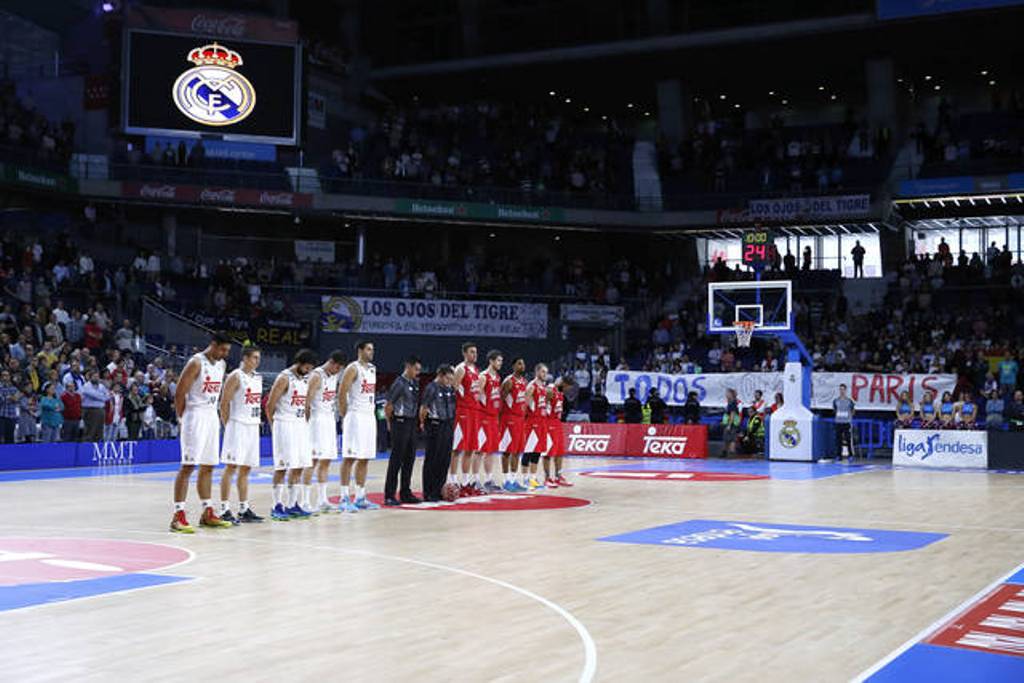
[(871, 391), (439, 317)]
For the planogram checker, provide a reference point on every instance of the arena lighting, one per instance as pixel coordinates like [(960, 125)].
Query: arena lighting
[(629, 105), (984, 72), (927, 78), (586, 109), (833, 98), (568, 100), (551, 92), (821, 87), (938, 87), (771, 93), (785, 101), (736, 106), (108, 7), (647, 113), (992, 82), (721, 97)]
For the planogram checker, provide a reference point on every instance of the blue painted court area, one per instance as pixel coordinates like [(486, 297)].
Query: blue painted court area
[(793, 471), (31, 594), (983, 641), (767, 537)]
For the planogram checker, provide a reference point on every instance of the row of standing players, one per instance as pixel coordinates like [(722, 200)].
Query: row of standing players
[(302, 409)]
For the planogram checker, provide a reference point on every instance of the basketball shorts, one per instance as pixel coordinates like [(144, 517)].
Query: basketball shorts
[(537, 438), (200, 437), (467, 432), (359, 436), (290, 439), (556, 439), (323, 436), (513, 435), (489, 434), (241, 444)]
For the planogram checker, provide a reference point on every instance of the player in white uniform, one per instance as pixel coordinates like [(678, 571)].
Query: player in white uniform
[(323, 427), (195, 402), (356, 405), (240, 412), (288, 415)]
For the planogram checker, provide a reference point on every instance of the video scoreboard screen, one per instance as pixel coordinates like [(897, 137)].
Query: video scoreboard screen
[(191, 86)]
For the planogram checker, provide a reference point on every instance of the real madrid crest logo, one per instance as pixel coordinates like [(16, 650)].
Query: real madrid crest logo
[(789, 435), (212, 92)]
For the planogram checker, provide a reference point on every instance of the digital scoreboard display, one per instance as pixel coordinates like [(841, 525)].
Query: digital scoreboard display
[(192, 86), (758, 249)]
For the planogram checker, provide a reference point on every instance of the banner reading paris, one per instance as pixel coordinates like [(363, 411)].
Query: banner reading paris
[(439, 317), (871, 390)]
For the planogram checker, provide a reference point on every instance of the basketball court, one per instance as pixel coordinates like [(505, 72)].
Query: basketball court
[(726, 571)]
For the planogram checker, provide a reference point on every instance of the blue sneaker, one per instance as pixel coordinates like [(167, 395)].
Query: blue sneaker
[(298, 512), (517, 487), (346, 505), (279, 513), (508, 486), (364, 504)]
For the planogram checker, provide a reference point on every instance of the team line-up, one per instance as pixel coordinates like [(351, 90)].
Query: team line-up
[(469, 416)]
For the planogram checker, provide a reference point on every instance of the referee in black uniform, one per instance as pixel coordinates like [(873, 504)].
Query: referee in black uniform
[(437, 415), (401, 412)]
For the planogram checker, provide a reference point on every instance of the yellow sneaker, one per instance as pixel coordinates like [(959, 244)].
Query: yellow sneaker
[(180, 525), (534, 485)]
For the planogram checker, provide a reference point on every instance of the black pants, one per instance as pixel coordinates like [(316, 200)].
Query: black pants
[(438, 456), (7, 429), (843, 436), (403, 456), (94, 418)]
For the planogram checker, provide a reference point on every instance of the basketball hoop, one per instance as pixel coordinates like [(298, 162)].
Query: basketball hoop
[(744, 330)]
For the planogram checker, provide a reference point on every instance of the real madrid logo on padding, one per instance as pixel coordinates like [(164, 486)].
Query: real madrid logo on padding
[(789, 435), (212, 92)]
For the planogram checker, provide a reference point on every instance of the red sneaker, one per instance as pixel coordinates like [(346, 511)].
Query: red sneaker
[(180, 525), (466, 491), (478, 490), (551, 483), (562, 481), (211, 519)]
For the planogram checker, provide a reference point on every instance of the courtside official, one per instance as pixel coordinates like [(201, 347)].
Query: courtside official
[(437, 419), (402, 412)]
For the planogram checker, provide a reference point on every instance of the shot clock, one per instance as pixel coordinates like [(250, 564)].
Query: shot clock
[(758, 248)]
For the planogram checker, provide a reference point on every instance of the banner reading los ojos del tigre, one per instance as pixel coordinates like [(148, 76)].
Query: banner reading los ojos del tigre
[(871, 391), (442, 317)]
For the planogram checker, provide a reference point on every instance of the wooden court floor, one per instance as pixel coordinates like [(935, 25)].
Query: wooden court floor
[(520, 595)]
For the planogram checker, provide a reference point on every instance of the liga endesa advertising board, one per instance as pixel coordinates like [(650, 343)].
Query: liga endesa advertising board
[(640, 440), (871, 391), (946, 448)]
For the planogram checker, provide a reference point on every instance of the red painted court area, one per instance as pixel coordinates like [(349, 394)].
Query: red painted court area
[(38, 560), (993, 624), (664, 475)]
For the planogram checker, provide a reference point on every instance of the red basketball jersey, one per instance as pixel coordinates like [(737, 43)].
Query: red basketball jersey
[(557, 404), (466, 400), (492, 394), (514, 405), (537, 394)]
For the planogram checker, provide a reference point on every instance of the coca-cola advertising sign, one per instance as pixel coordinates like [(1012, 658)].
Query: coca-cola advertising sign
[(639, 440), (215, 24), (229, 26), (194, 194)]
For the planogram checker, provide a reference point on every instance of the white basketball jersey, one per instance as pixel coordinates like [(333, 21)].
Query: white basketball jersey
[(291, 407), (246, 403), (205, 391), (326, 398), (362, 393)]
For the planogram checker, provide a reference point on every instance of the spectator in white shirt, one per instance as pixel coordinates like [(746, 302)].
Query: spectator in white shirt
[(85, 264)]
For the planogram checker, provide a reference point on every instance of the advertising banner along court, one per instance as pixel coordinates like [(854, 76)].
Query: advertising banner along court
[(871, 391)]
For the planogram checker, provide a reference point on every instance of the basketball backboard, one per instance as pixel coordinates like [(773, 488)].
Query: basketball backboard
[(767, 303)]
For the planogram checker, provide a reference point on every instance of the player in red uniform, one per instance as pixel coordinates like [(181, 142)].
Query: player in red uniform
[(536, 424), (490, 434), (556, 401), (467, 416), (513, 425)]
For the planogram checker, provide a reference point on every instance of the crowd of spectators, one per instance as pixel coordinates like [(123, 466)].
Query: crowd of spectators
[(70, 368), (722, 155), (25, 130), (528, 147), (973, 141)]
